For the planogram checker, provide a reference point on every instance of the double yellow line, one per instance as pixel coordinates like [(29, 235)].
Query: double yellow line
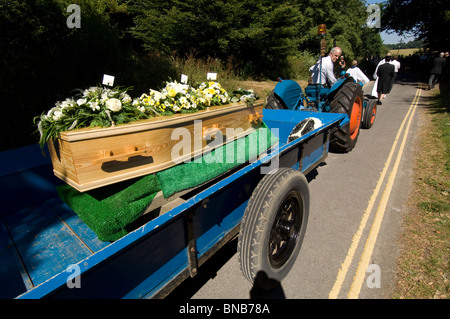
[(376, 224)]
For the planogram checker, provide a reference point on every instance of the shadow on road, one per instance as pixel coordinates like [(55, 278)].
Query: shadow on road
[(188, 288), (259, 293)]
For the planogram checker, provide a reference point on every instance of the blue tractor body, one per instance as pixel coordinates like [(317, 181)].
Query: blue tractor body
[(292, 95), (345, 96)]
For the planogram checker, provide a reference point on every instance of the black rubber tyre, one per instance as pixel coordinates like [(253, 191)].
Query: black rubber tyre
[(273, 102), (273, 227), (370, 113), (348, 100)]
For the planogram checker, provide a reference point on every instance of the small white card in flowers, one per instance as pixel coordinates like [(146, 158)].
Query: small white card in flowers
[(108, 80), (211, 76)]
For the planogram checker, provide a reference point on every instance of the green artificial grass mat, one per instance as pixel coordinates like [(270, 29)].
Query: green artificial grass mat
[(216, 162), (109, 210)]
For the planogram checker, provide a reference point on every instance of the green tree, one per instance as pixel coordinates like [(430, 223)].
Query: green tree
[(372, 43), (266, 37), (42, 60), (427, 20), (345, 21), (256, 34)]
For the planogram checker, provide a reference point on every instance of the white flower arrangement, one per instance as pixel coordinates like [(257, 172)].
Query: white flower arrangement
[(104, 107), (177, 97)]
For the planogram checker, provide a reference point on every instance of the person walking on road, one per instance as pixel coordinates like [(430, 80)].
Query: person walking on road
[(375, 77), (385, 73), (397, 65), (436, 70)]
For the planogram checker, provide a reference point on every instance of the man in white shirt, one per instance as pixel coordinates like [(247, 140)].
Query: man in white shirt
[(357, 74), (396, 64), (326, 75)]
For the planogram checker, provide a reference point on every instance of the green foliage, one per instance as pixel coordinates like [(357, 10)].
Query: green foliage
[(258, 36), (238, 30), (143, 43), (42, 60), (345, 21), (373, 45), (427, 20)]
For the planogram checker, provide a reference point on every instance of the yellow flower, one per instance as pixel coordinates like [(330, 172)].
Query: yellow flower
[(172, 92)]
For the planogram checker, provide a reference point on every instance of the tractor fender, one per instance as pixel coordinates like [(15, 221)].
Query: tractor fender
[(289, 92), (336, 86)]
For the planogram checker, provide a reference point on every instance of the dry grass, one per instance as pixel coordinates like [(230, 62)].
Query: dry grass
[(404, 52), (196, 69), (263, 88)]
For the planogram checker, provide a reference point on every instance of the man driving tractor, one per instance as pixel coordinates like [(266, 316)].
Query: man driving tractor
[(325, 74)]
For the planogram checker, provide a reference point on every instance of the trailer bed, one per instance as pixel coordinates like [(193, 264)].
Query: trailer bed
[(40, 236)]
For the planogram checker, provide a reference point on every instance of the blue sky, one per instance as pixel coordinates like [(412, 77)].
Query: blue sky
[(395, 38), (390, 37)]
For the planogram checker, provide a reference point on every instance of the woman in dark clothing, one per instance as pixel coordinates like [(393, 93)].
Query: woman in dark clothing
[(385, 75)]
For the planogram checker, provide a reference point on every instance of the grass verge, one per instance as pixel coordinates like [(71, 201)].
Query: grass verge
[(423, 266)]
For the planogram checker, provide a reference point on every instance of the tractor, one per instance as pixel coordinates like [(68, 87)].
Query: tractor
[(345, 96)]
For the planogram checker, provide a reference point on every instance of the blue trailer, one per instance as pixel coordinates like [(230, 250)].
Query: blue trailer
[(48, 252)]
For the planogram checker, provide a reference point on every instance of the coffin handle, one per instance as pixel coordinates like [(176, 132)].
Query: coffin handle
[(107, 155), (208, 132)]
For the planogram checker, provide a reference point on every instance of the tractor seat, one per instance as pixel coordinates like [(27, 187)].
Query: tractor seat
[(312, 89)]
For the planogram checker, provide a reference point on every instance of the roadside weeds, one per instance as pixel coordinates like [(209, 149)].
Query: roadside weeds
[(423, 265)]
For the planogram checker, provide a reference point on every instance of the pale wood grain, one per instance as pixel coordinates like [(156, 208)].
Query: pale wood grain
[(94, 157)]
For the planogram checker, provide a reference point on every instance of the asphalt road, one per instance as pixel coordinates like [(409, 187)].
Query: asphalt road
[(358, 201)]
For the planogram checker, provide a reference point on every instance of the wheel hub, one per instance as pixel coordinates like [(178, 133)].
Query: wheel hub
[(285, 230)]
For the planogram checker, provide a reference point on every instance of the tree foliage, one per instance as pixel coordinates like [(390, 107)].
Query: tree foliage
[(42, 59), (427, 20), (345, 22), (255, 34), (258, 35)]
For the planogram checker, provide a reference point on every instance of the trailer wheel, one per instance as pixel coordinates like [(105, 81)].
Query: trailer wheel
[(273, 102), (369, 114), (273, 227), (348, 100)]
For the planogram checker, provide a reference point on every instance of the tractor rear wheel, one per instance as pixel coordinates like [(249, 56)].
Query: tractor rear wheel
[(348, 100)]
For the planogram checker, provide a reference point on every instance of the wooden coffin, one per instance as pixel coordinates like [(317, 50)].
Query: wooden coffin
[(89, 158)]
